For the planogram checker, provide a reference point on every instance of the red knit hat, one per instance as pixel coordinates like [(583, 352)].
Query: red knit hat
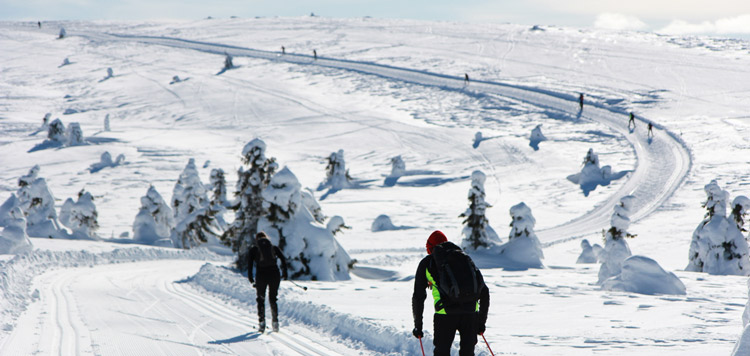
[(436, 238)]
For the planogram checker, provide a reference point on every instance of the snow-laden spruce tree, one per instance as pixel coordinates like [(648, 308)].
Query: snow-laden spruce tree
[(248, 205), (336, 225), (337, 176), (742, 347), (718, 245), (80, 216), (218, 201), (194, 222), (616, 248), (45, 121), (105, 161), (589, 253), (228, 61), (38, 205), (522, 236), (477, 231), (154, 223), (56, 132), (592, 175), (106, 124), (398, 167), (13, 237), (62, 34), (311, 250)]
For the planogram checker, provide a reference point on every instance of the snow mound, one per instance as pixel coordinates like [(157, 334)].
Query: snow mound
[(536, 137), (592, 175), (589, 253), (13, 238), (234, 288), (105, 161), (643, 275), (383, 223)]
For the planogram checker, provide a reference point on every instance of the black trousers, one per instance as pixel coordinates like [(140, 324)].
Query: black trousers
[(267, 279), (445, 327)]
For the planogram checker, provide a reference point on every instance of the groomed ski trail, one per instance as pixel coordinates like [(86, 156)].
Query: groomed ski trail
[(150, 312), (662, 164)]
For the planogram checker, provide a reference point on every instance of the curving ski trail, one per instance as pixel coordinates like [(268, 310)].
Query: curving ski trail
[(662, 164)]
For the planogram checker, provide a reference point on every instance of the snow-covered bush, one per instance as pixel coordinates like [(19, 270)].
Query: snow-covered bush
[(80, 216), (589, 254), (175, 79), (56, 132), (107, 128), (38, 205), (194, 221), (477, 139), (337, 176), (382, 223), (311, 250), (477, 232), (228, 61), (536, 137), (248, 206), (643, 275), (398, 167), (75, 134), (154, 223), (523, 249), (13, 238), (110, 73), (718, 245), (592, 175), (616, 248), (45, 121), (105, 161), (62, 34), (336, 224)]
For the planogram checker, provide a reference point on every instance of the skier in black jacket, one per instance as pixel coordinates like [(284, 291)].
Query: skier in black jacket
[(265, 254), (468, 318)]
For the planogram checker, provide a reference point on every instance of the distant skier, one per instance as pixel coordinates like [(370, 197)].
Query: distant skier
[(315, 54), (461, 299), (466, 78), (39, 23), (631, 121), (650, 130), (580, 101), (283, 50), (265, 254)]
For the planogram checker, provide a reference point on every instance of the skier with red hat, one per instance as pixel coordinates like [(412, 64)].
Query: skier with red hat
[(461, 299)]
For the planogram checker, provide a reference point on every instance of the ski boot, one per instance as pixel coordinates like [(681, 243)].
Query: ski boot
[(275, 326), (262, 327)]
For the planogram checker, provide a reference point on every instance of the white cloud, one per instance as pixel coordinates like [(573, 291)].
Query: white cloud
[(612, 21), (731, 25)]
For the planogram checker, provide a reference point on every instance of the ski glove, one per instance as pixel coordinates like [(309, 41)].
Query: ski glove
[(417, 333), (481, 328)]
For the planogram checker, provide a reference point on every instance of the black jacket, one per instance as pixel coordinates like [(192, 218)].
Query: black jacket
[(265, 271), (421, 284)]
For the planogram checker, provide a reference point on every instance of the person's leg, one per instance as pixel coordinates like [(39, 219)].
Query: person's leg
[(260, 285), (444, 331), (273, 291), (468, 332)]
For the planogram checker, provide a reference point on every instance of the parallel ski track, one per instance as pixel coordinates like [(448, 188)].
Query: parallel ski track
[(662, 165)]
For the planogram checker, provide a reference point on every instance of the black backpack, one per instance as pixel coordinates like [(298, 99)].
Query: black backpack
[(266, 253), (457, 278)]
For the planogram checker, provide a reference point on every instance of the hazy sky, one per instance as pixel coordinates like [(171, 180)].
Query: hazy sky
[(714, 17)]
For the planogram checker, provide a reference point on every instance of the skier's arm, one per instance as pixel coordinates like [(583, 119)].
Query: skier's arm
[(250, 261), (484, 302), (281, 257), (417, 299)]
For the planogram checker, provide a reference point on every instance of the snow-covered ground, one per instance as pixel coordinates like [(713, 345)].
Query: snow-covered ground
[(379, 89)]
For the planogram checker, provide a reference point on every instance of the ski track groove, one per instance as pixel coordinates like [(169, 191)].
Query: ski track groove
[(649, 183)]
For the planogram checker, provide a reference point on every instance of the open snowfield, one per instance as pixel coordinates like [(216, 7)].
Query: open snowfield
[(378, 89)]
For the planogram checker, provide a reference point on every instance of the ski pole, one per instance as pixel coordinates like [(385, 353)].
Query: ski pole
[(422, 346), (487, 343), (303, 287)]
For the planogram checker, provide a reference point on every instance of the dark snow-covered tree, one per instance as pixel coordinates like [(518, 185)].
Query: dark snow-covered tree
[(38, 205), (311, 250), (248, 205), (56, 132), (477, 231), (80, 216), (195, 223), (154, 223), (718, 245), (337, 176), (616, 249)]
